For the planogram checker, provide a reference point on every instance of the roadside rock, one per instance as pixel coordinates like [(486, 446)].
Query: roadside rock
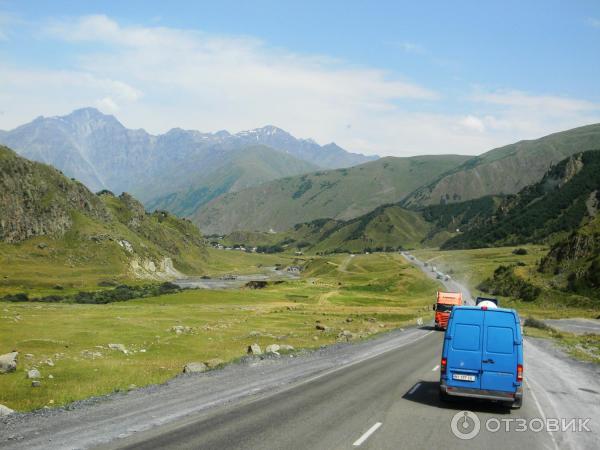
[(254, 334), (33, 374), (349, 319), (49, 362), (180, 329), (195, 367), (347, 335), (5, 411), (36, 383), (286, 348), (254, 349), (273, 348), (119, 347), (214, 362), (8, 362), (322, 327)]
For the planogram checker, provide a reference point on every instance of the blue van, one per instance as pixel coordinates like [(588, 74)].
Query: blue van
[(483, 355)]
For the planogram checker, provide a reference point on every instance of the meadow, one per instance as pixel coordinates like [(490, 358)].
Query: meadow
[(364, 294)]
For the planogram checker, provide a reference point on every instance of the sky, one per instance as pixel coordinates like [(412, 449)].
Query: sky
[(393, 78)]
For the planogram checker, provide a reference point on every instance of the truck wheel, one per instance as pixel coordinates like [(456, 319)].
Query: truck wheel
[(517, 403)]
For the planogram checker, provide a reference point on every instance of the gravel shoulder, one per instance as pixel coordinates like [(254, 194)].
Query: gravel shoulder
[(575, 325)]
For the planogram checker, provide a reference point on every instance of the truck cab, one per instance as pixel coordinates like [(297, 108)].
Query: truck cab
[(482, 356), (445, 302)]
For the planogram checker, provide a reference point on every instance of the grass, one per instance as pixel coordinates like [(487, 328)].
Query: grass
[(379, 292)]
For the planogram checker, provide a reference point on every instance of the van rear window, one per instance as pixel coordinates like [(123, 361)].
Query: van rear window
[(466, 337), (500, 340)]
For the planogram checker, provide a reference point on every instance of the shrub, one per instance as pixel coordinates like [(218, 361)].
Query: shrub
[(506, 283), (519, 251), (21, 297), (535, 323)]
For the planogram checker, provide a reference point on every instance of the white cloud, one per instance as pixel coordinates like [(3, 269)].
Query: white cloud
[(107, 105), (158, 78), (593, 22), (473, 123), (548, 103)]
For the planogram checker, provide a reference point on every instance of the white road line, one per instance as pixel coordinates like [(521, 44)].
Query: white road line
[(435, 368), (368, 433), (541, 410), (414, 389)]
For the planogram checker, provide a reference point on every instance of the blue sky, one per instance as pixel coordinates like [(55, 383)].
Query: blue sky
[(393, 78)]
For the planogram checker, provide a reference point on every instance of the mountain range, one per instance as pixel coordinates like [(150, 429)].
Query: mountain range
[(414, 183), (100, 152)]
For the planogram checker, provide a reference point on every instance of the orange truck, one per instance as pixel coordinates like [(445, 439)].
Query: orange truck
[(445, 302)]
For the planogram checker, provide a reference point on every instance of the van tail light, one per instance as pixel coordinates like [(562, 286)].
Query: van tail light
[(519, 372), (443, 365)]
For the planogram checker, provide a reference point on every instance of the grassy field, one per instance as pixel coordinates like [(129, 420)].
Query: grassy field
[(378, 292), (473, 266)]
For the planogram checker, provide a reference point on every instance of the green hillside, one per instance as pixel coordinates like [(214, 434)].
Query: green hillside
[(242, 169), (340, 194), (556, 205), (505, 170), (55, 232), (575, 260)]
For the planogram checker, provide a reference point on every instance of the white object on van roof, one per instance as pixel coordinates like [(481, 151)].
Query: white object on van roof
[(488, 304)]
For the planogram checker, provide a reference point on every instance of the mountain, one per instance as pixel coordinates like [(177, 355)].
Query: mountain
[(567, 195), (53, 224), (98, 150), (340, 194), (388, 227), (240, 169), (505, 170)]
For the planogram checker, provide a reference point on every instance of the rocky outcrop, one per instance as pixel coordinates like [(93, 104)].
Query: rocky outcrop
[(37, 200), (135, 210), (146, 268)]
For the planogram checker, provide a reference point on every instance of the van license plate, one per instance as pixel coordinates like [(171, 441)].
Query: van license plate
[(461, 377)]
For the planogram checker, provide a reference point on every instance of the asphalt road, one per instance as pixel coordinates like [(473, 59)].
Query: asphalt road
[(397, 390)]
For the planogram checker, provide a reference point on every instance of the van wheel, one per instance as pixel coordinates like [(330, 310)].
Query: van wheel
[(517, 404)]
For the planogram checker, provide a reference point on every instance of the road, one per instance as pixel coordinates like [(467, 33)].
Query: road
[(397, 389)]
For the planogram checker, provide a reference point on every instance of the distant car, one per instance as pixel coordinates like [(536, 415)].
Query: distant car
[(482, 355)]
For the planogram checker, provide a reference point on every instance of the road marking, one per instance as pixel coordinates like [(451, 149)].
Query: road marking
[(368, 433), (435, 368), (541, 410), (414, 389)]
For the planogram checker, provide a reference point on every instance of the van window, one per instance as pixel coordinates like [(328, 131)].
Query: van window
[(500, 340), (466, 337)]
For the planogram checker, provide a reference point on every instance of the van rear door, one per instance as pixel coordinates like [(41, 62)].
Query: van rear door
[(464, 348), (499, 357)]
